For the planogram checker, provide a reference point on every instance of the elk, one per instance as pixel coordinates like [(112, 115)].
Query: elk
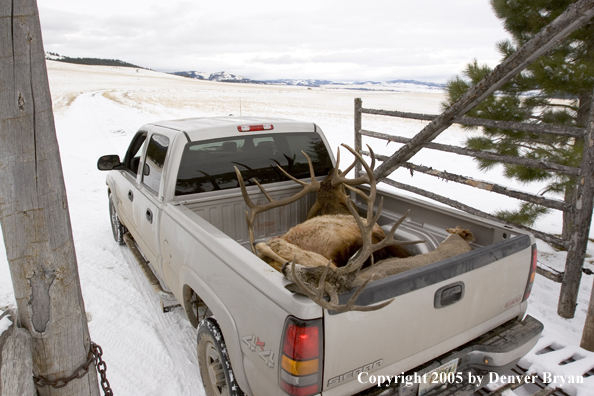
[(315, 282), (330, 235)]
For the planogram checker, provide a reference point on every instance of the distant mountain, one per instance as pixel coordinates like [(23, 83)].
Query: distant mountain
[(358, 85), (399, 82), (303, 83), (90, 61), (415, 82), (218, 76), (193, 74), (392, 85)]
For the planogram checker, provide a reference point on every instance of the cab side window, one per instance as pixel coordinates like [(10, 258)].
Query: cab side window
[(156, 152), (132, 158)]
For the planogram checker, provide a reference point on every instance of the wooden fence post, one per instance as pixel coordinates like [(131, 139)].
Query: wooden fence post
[(579, 240), (15, 345), (358, 137), (582, 217), (34, 210)]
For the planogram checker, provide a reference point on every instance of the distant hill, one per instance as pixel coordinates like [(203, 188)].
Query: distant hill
[(301, 83), (395, 85), (218, 76), (90, 61), (359, 85)]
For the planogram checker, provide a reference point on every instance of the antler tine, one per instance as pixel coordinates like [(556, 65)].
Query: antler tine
[(313, 186), (317, 296), (367, 247), (340, 179), (389, 239), (350, 305), (311, 171), (372, 166)]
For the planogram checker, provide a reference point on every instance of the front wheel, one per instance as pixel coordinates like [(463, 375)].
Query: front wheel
[(215, 368), (117, 228)]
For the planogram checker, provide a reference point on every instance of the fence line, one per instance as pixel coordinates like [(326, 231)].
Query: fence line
[(578, 208)]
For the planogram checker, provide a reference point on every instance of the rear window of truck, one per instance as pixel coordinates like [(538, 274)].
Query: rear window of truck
[(208, 165)]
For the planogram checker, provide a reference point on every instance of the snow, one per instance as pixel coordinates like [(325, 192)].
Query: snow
[(5, 323), (98, 109)]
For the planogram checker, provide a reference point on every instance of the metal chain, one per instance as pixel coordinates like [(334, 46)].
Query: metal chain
[(94, 355), (101, 369)]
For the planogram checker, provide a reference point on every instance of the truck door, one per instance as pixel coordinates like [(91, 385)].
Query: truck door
[(148, 203), (127, 185)]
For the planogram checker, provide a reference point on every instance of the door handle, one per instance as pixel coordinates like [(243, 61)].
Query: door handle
[(149, 216), (130, 196), (449, 295)]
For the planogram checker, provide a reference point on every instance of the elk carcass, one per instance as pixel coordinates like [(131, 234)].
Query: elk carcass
[(316, 282), (331, 233), (337, 281)]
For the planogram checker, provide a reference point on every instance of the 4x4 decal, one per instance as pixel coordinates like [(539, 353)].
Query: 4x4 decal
[(253, 342)]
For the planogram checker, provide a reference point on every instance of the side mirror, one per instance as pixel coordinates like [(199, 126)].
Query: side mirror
[(109, 162)]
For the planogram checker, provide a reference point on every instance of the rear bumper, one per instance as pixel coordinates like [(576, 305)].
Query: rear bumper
[(494, 352)]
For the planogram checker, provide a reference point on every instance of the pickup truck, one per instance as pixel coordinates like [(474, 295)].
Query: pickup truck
[(176, 197)]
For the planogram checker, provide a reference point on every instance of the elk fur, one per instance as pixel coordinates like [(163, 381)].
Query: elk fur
[(456, 243), (340, 282), (277, 251), (334, 237)]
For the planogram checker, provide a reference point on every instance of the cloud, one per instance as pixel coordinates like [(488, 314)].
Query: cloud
[(266, 37)]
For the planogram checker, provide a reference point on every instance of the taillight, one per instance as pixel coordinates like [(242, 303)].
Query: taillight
[(250, 128), (531, 274), (302, 357)]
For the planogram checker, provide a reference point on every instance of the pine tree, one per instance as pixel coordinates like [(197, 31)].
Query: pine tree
[(555, 89)]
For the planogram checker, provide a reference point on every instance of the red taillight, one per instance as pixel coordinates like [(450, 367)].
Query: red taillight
[(531, 274), (302, 357), (301, 343), (251, 128)]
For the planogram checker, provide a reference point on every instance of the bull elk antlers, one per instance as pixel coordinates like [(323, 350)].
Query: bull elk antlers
[(326, 254), (315, 282)]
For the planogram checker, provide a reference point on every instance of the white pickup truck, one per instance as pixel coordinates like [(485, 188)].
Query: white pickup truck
[(176, 193)]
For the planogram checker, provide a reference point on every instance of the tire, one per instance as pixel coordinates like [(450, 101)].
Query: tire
[(117, 228), (215, 369)]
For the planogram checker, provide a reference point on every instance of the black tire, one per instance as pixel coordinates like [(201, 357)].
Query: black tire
[(117, 228), (215, 369)]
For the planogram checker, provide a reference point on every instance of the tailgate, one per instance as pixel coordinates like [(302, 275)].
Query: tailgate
[(487, 285)]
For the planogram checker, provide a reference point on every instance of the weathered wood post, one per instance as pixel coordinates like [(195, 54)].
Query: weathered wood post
[(358, 137), (15, 345), (581, 226), (34, 210), (582, 222)]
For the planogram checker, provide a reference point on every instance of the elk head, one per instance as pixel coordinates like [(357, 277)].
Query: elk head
[(332, 198)]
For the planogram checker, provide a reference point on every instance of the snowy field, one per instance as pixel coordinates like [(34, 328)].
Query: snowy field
[(97, 111)]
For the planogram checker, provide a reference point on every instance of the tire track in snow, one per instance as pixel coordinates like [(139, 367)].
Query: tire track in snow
[(177, 334)]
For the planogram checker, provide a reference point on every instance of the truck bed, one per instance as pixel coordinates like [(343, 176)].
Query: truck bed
[(493, 275)]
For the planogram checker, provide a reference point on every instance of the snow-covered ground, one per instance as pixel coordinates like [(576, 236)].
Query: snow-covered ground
[(98, 109)]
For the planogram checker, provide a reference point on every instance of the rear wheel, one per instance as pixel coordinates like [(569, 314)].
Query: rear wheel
[(215, 368), (117, 228)]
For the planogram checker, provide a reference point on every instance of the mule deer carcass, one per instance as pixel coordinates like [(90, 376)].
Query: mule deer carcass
[(331, 233)]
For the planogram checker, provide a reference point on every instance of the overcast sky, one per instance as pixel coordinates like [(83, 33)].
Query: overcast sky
[(427, 40)]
